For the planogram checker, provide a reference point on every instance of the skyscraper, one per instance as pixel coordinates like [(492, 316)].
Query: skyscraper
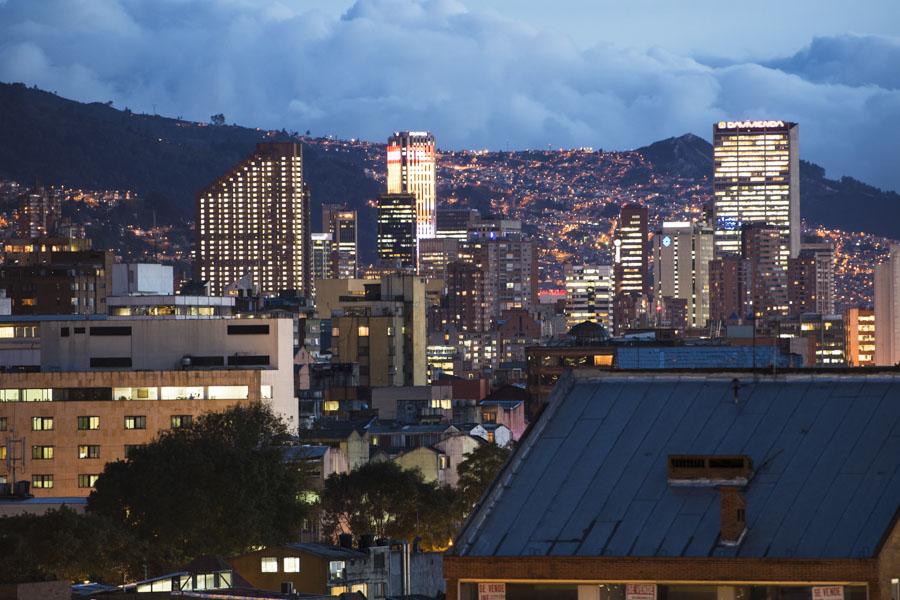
[(756, 180), (411, 169), (887, 310), (341, 224), (254, 220), (39, 213), (681, 255), (811, 280), (761, 247), (321, 256), (729, 289), (630, 245), (589, 295), (397, 229)]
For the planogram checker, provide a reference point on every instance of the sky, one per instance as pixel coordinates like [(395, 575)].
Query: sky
[(485, 74)]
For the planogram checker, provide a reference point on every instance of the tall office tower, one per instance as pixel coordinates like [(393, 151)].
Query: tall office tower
[(341, 224), (435, 255), (811, 280), (411, 170), (761, 246), (508, 260), (887, 310), (465, 296), (756, 180), (255, 220), (729, 289), (589, 295), (39, 213), (320, 244), (681, 255), (455, 222), (397, 229), (631, 256), (860, 324)]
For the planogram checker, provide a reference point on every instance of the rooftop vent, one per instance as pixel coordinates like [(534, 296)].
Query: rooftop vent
[(732, 516), (700, 470)]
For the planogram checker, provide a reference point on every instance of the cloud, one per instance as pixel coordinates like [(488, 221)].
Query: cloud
[(475, 78)]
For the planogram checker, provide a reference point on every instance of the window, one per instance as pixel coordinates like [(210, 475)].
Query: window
[(363, 331), (42, 482), (87, 481), (248, 330), (102, 362), (208, 361), (2, 457), (64, 332), (79, 330), (181, 421), (4, 424), (110, 330), (42, 452), (291, 564), (136, 422), (443, 462), (228, 392), (88, 451), (42, 423), (265, 392), (138, 393), (37, 395), (268, 564), (88, 423), (130, 448), (9, 395), (182, 393), (336, 570)]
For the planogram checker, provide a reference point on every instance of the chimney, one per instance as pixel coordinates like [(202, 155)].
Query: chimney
[(345, 540), (732, 515)]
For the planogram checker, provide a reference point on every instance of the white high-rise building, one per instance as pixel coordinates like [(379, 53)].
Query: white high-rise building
[(756, 180), (411, 170), (681, 255), (589, 295), (887, 310), (253, 224)]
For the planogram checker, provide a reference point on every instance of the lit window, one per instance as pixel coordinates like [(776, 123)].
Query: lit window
[(88, 451), (291, 564), (182, 393), (268, 564), (87, 481), (336, 570), (228, 392), (42, 423), (88, 423), (44, 482), (181, 421), (136, 422), (265, 392)]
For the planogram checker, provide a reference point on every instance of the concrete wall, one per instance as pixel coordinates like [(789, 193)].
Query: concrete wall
[(426, 573), (142, 278)]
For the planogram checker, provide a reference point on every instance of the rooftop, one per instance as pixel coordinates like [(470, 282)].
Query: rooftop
[(591, 477)]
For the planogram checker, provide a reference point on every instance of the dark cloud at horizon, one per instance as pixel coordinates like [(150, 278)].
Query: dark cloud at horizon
[(477, 79)]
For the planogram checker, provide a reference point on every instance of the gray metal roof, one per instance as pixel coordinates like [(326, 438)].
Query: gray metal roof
[(590, 479)]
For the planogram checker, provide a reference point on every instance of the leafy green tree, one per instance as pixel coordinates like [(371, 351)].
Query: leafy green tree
[(66, 545), (477, 472), (219, 486)]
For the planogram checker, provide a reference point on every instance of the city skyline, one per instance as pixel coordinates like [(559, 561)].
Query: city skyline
[(553, 87)]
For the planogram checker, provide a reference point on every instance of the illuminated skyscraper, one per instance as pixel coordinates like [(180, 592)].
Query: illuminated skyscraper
[(455, 222), (397, 229), (681, 255), (411, 169), (254, 220), (860, 337), (589, 295), (321, 256), (756, 180), (341, 224), (631, 256)]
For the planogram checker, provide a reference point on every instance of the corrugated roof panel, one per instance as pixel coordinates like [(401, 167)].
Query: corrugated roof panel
[(826, 482)]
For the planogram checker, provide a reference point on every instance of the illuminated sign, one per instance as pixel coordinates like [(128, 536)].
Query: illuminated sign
[(728, 223), (667, 241), (749, 124), (828, 592)]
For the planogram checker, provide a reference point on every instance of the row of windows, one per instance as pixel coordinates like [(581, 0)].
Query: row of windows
[(199, 392), (92, 423), (44, 481)]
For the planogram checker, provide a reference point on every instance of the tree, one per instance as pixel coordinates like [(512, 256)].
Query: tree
[(218, 119), (62, 544), (477, 472), (378, 498), (219, 486)]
